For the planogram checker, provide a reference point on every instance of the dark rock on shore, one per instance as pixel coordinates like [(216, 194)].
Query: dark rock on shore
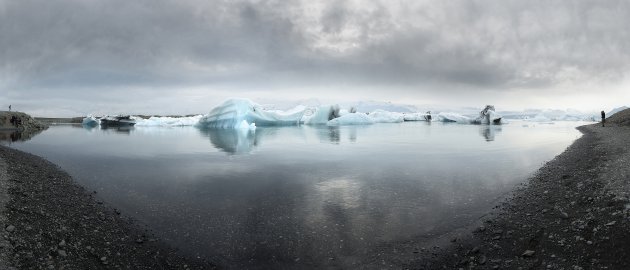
[(621, 118), (573, 214), (26, 122), (49, 222), (18, 126)]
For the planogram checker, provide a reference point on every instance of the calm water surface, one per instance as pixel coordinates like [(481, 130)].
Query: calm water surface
[(304, 197)]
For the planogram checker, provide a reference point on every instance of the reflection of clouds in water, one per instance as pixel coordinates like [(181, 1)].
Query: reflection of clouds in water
[(357, 203), (301, 197), (489, 131), (343, 192)]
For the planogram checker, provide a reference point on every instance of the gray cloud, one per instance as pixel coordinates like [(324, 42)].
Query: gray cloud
[(156, 47)]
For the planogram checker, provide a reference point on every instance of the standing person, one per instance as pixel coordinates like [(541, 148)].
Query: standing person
[(603, 118), (9, 107)]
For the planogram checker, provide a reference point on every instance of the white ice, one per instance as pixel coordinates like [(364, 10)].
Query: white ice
[(488, 116), (241, 113), (382, 116), (90, 121), (317, 116), (155, 121), (453, 117), (415, 116), (351, 119)]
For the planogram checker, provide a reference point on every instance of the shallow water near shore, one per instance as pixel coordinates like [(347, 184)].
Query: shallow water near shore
[(303, 197)]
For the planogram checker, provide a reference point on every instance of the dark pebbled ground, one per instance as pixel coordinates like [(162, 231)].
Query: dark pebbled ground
[(573, 214), (566, 217), (51, 222)]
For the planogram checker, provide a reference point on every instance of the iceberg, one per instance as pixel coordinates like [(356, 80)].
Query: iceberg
[(453, 118), (488, 116), (382, 116), (244, 113), (351, 119), (539, 118), (155, 121), (90, 121), (117, 121), (417, 116), (321, 115)]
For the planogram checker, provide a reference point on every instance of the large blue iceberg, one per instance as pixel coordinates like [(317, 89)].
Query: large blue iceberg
[(243, 113)]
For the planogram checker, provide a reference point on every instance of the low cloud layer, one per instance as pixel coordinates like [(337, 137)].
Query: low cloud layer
[(157, 56)]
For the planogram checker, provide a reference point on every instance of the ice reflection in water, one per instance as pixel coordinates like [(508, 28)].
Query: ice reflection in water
[(233, 141), (489, 131), (303, 197)]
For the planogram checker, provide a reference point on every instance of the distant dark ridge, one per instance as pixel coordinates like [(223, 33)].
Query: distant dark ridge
[(621, 118), (58, 120)]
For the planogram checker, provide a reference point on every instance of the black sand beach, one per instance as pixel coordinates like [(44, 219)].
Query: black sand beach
[(50, 222), (571, 215)]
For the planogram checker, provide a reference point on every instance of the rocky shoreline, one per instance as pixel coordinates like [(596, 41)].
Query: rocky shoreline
[(573, 214), (18, 126), (50, 222)]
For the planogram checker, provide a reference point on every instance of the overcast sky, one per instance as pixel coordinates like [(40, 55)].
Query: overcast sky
[(69, 57)]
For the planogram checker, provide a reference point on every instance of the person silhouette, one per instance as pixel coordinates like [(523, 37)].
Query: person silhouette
[(603, 118), (9, 107)]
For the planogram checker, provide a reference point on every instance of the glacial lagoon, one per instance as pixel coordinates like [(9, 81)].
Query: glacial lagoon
[(305, 196)]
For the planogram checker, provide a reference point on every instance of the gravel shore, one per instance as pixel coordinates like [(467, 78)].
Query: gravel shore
[(50, 222), (573, 214)]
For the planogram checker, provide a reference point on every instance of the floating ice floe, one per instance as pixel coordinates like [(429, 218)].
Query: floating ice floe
[(351, 119), (417, 116), (382, 116), (321, 115), (117, 121), (486, 116), (243, 113), (539, 118), (453, 117), (90, 121), (166, 121)]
